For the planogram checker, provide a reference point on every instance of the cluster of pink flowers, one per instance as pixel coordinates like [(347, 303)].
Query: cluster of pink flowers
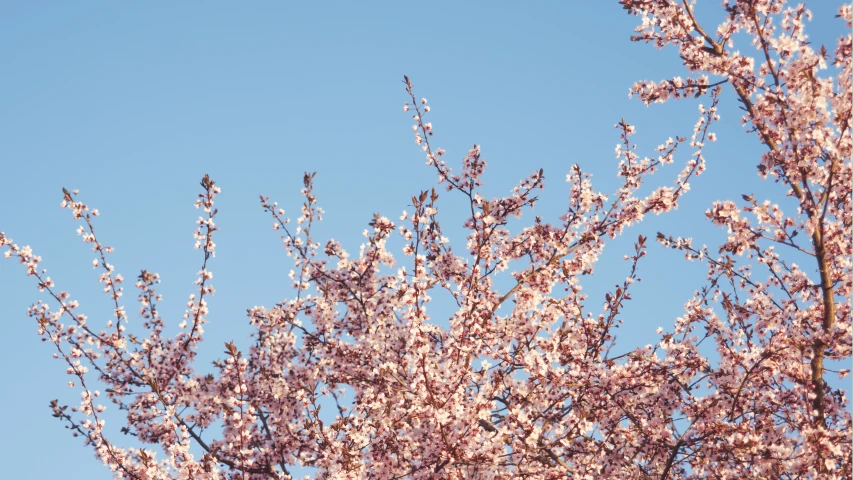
[(522, 383)]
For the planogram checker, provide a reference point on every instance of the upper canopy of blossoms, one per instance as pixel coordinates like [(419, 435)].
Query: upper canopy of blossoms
[(522, 382)]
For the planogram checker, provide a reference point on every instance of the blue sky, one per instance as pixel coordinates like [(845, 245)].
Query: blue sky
[(132, 104)]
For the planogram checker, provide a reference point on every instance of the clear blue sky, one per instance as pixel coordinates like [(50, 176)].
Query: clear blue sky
[(133, 103)]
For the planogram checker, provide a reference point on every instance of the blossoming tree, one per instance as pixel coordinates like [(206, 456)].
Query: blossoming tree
[(522, 382)]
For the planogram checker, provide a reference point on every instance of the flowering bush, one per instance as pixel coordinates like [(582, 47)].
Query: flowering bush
[(522, 382)]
